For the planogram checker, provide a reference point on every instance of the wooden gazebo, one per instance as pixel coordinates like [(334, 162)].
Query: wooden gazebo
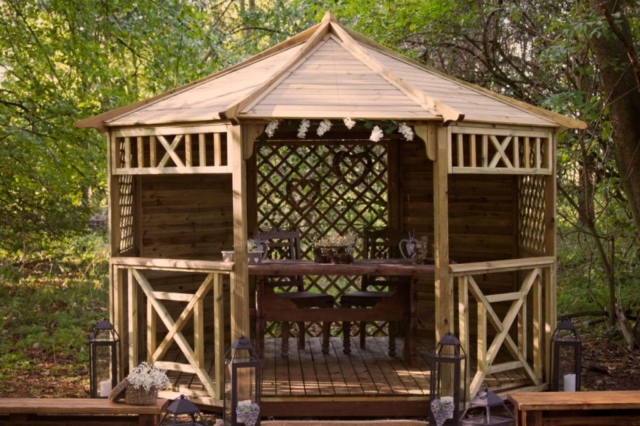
[(192, 172)]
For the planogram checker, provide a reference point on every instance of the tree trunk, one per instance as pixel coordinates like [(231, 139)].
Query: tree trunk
[(619, 73)]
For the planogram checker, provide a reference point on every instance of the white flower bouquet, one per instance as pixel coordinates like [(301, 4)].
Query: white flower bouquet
[(442, 409), (144, 383), (247, 412)]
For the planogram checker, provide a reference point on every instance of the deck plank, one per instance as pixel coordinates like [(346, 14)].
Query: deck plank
[(349, 374), (321, 367)]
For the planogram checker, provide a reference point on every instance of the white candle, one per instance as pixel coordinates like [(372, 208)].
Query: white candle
[(569, 382), (105, 387)]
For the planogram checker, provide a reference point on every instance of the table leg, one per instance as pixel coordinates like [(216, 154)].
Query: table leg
[(346, 337), (411, 325), (284, 332), (326, 336)]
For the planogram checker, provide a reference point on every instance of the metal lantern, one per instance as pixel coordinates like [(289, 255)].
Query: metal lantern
[(448, 361), (103, 359), (243, 379), (566, 352), (182, 406), (486, 399)]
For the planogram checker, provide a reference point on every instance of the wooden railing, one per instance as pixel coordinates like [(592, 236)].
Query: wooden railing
[(167, 150), (479, 150), (536, 273), (136, 270)]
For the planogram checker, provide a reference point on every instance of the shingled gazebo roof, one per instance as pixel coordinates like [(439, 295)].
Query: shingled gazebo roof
[(329, 71)]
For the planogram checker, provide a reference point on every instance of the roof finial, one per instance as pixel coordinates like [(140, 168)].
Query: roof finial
[(329, 17)]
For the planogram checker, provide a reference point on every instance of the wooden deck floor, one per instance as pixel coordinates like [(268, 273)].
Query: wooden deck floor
[(370, 372)]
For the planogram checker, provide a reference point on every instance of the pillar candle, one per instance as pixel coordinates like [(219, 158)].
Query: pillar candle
[(105, 387), (569, 382)]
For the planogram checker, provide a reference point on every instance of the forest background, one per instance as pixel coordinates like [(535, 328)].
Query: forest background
[(64, 60)]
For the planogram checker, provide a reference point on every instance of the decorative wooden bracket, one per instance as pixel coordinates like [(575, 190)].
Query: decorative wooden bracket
[(250, 133), (428, 135)]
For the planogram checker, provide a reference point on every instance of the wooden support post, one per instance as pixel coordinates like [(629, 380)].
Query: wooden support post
[(463, 325), (550, 250), (133, 320), (218, 336), (443, 282), (240, 322)]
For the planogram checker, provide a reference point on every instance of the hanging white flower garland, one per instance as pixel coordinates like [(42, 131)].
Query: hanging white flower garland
[(406, 131), (349, 123), (325, 125), (302, 130), (376, 134), (271, 128)]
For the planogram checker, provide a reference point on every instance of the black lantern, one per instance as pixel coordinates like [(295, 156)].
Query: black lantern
[(487, 400), (566, 352), (448, 386), (242, 384), (103, 359), (182, 406)]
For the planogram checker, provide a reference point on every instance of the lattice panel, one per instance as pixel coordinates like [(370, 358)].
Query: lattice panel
[(531, 206), (321, 189), (125, 183)]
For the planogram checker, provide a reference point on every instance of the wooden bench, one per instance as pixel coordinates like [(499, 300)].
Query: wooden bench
[(77, 412), (619, 408)]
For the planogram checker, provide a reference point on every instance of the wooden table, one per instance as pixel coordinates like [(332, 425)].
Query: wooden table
[(619, 408), (405, 297), (78, 412)]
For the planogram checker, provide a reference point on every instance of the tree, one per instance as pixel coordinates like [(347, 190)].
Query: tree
[(615, 53), (63, 60)]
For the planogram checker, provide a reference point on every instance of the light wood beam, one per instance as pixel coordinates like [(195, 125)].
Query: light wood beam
[(240, 323)]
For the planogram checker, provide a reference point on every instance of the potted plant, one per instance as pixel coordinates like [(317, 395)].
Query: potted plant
[(144, 383), (335, 249), (247, 412)]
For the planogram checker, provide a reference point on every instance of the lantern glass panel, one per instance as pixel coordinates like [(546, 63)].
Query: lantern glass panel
[(102, 365)]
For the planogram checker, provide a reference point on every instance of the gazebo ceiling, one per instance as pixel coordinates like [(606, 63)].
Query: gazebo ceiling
[(329, 72)]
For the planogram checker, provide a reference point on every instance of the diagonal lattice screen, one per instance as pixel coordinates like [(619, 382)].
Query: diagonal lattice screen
[(322, 189), (532, 212)]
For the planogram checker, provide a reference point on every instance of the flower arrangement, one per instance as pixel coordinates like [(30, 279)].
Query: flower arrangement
[(376, 134), (148, 376), (442, 409), (302, 130), (247, 412), (335, 249), (323, 127)]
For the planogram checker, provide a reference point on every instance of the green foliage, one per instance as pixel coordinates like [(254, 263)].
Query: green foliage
[(49, 310)]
